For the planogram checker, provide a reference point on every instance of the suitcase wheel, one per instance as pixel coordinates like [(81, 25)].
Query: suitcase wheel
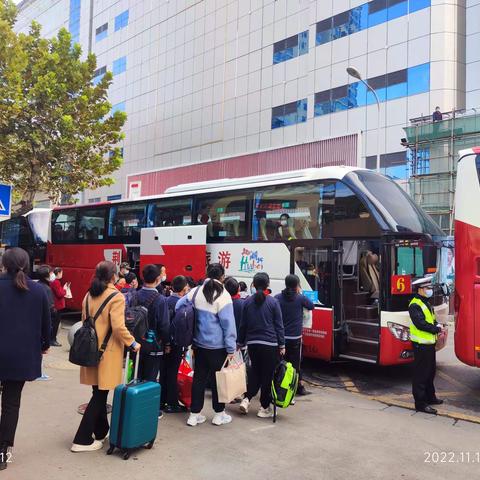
[(110, 450), (149, 445), (126, 455)]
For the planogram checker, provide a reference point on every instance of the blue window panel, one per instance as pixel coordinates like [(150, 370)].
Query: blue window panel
[(358, 19), (119, 65), (303, 42), (398, 90), (377, 12), (397, 9), (96, 80), (119, 107), (111, 198), (341, 25), (324, 31), (382, 95), (322, 108), (302, 110), (419, 79), (121, 21), (74, 20), (101, 35), (357, 95), (415, 5)]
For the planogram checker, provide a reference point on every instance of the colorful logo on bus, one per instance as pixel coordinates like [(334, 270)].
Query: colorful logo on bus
[(250, 261), (401, 284)]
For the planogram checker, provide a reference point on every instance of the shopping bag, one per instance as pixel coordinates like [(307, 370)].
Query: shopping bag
[(68, 291), (184, 383), (231, 381)]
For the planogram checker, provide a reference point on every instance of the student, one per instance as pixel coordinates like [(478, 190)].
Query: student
[(243, 289), (233, 288), (214, 340), (108, 374), (159, 321), (262, 331), (59, 293), (129, 289), (292, 303), (172, 360), (25, 334), (162, 287), (124, 270)]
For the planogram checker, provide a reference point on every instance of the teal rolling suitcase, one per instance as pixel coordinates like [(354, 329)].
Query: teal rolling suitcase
[(134, 414)]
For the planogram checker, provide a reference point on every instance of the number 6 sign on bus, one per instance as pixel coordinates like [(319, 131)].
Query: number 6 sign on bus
[(401, 284)]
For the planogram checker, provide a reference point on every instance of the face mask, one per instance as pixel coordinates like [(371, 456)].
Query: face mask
[(283, 223), (52, 277), (163, 278), (429, 293), (253, 290)]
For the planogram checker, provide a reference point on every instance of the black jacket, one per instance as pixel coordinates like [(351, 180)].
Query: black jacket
[(24, 330), (418, 318)]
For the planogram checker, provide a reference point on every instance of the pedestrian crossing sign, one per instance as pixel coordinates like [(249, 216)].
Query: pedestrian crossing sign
[(5, 200)]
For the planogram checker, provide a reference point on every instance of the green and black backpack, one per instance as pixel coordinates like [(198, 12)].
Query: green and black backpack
[(284, 386)]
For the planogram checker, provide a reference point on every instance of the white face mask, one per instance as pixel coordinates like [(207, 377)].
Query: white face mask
[(283, 223), (52, 277), (253, 290), (428, 292), (163, 278)]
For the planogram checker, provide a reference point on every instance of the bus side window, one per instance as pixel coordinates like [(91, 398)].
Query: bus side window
[(170, 213), (63, 226), (127, 221), (91, 224)]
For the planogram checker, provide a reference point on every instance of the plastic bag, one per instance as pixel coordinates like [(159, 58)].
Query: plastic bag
[(184, 383)]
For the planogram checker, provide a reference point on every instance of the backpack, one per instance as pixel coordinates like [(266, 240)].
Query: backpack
[(284, 386), (182, 326), (84, 350), (137, 321)]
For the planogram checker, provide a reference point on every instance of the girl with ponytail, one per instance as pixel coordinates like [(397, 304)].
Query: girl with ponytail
[(25, 333), (262, 331)]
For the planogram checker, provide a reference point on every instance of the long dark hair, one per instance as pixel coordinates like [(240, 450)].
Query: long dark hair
[(103, 275), (43, 274), (17, 263), (261, 281), (212, 289)]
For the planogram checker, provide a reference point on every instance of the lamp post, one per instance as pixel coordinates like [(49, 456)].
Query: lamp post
[(352, 71)]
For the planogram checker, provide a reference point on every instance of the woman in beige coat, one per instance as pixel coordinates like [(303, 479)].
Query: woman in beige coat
[(108, 374)]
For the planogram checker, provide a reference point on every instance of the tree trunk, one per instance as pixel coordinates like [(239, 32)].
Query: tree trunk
[(26, 203)]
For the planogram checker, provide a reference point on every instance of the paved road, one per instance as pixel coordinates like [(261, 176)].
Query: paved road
[(331, 434)]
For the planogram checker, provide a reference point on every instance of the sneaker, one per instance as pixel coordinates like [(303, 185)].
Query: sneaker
[(244, 404), (104, 438), (43, 378), (96, 445), (265, 412), (160, 414), (221, 419), (195, 418), (292, 402), (302, 391), (174, 409), (54, 343)]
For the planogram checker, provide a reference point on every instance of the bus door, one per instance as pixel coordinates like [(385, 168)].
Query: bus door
[(182, 250), (318, 266)]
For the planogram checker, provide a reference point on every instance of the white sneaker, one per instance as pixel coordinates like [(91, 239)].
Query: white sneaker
[(244, 404), (221, 419), (195, 418), (265, 412), (96, 445)]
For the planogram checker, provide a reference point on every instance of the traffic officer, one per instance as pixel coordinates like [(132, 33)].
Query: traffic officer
[(423, 333)]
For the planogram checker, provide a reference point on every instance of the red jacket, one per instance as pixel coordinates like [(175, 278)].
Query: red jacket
[(58, 294)]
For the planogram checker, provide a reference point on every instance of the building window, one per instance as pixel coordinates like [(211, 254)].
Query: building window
[(289, 114), (101, 32), (121, 21), (119, 65), (390, 86), (290, 47), (94, 200), (392, 164), (111, 198), (98, 75), (365, 16), (74, 20), (119, 107)]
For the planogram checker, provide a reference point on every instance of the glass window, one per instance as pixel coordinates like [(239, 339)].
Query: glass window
[(98, 75), (91, 224), (397, 84), (63, 225), (290, 47), (323, 104), (111, 198), (101, 32), (358, 19), (291, 212), (302, 110), (121, 20), (170, 213), (303, 42), (377, 12), (379, 84), (341, 25), (119, 65), (357, 95), (324, 32), (397, 8), (340, 98), (289, 114), (419, 79), (16, 233), (415, 5), (225, 217), (409, 261), (119, 107), (127, 221)]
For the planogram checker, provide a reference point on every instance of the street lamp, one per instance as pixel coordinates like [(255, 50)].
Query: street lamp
[(352, 71)]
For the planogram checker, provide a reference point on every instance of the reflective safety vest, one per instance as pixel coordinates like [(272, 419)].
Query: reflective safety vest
[(420, 336)]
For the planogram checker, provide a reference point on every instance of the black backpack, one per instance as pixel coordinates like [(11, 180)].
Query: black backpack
[(84, 350), (182, 326), (137, 320)]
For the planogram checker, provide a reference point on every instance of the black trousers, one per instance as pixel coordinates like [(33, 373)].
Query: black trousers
[(149, 367), (293, 354), (424, 366), (207, 362), (168, 376), (94, 421), (11, 395), (56, 318), (264, 359)]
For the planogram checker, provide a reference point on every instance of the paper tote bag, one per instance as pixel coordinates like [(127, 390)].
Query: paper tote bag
[(231, 381)]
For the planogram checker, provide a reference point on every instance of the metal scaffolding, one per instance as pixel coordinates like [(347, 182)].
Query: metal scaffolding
[(432, 151)]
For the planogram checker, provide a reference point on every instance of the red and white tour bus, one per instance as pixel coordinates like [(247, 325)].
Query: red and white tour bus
[(354, 237), (467, 258)]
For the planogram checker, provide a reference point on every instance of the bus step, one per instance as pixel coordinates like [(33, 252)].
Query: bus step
[(367, 359), (367, 341)]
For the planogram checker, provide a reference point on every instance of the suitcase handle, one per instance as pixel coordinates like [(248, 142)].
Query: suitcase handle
[(135, 373)]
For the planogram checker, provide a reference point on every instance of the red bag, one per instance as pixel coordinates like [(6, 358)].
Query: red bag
[(184, 382)]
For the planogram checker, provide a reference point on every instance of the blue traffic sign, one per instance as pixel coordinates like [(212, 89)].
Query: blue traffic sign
[(5, 200)]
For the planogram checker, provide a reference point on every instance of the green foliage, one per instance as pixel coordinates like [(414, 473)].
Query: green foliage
[(56, 134)]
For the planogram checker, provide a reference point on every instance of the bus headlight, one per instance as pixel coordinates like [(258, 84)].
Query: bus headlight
[(400, 332)]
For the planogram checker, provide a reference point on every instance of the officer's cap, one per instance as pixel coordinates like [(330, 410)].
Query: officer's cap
[(125, 265), (423, 282)]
